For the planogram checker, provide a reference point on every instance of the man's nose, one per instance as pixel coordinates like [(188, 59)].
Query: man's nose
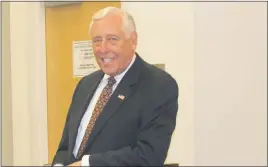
[(103, 46)]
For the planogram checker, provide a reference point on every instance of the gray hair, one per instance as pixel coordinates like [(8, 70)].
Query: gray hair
[(128, 21)]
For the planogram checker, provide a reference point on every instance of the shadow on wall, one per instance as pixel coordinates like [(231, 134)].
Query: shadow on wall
[(161, 66)]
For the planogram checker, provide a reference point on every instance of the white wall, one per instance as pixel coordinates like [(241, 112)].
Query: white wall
[(217, 53), (28, 82), (6, 124), (230, 84)]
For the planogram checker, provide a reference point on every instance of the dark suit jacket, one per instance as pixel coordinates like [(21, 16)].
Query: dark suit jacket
[(134, 131)]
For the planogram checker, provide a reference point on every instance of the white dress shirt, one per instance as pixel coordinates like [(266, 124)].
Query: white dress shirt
[(86, 118)]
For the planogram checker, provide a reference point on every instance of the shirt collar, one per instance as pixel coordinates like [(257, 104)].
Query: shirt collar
[(121, 75)]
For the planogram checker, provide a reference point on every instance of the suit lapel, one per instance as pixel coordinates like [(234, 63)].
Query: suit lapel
[(84, 105), (124, 89)]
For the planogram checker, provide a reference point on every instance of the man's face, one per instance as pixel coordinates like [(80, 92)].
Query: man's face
[(112, 49)]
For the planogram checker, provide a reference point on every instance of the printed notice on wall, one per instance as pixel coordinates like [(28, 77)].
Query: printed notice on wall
[(84, 61)]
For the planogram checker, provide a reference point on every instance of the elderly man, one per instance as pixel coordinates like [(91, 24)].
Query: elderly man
[(125, 113)]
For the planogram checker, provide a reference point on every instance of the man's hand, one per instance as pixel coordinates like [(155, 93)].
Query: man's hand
[(78, 163)]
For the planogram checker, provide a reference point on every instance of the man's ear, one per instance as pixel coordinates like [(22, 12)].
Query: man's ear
[(134, 39)]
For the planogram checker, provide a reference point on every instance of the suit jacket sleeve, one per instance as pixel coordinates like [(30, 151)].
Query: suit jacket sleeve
[(157, 126), (61, 155)]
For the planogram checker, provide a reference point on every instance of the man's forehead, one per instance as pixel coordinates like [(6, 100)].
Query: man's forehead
[(111, 26)]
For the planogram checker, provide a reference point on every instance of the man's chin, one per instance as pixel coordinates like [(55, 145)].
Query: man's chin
[(109, 72)]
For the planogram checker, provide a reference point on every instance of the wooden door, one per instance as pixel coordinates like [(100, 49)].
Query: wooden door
[(64, 25)]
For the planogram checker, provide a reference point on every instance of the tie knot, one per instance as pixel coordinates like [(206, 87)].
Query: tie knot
[(111, 81)]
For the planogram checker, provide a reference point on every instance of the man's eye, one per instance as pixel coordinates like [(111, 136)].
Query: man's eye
[(96, 40), (112, 39)]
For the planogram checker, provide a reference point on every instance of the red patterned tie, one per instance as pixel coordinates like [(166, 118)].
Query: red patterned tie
[(104, 97)]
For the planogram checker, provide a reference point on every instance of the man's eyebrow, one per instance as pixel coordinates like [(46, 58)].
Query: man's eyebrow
[(108, 35), (112, 35), (96, 37)]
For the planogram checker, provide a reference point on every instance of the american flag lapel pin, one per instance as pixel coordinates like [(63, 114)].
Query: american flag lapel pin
[(121, 97)]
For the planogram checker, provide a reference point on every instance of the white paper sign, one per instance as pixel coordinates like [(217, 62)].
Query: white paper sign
[(84, 61)]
